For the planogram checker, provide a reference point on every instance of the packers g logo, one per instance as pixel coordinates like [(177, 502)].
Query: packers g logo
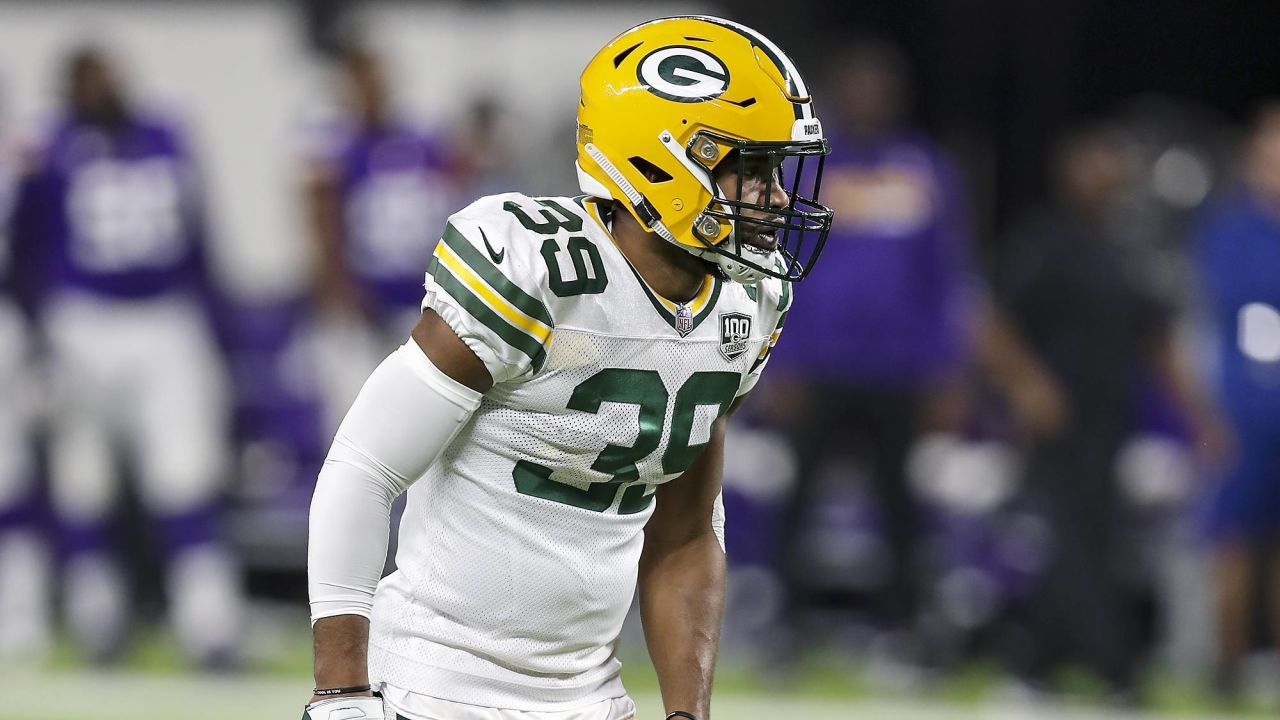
[(683, 74)]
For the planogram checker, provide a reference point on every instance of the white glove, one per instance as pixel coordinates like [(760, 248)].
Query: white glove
[(358, 707)]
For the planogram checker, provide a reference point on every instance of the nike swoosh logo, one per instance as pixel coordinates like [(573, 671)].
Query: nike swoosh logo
[(495, 256)]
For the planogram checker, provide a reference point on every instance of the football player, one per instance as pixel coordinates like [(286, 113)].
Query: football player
[(557, 416), (115, 239), (1239, 262), (377, 195), (24, 567)]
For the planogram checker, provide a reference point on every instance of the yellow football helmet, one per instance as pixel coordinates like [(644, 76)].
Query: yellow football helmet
[(666, 102)]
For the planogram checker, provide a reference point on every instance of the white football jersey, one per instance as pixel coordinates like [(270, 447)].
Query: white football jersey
[(518, 550)]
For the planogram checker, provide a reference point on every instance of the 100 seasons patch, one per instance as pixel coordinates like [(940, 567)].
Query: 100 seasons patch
[(735, 334)]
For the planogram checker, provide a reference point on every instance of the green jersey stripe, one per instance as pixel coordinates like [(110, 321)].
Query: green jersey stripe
[(479, 310), (711, 302), (490, 273)]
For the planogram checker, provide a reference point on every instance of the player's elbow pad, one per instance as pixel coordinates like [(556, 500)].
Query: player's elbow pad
[(405, 415)]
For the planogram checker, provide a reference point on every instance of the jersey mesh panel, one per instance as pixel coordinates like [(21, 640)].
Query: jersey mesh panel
[(528, 588)]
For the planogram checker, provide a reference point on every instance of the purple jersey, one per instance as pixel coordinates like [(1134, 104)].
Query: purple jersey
[(395, 198), (887, 301), (114, 211), (1239, 258)]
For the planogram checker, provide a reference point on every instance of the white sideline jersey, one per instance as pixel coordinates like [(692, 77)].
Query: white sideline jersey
[(518, 549)]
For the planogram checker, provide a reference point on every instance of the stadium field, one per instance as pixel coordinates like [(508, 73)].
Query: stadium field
[(77, 694)]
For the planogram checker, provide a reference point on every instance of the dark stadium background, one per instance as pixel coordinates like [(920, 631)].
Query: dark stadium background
[(1001, 78)]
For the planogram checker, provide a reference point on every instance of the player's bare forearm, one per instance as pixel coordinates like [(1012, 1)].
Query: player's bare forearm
[(341, 652), (681, 604), (682, 576)]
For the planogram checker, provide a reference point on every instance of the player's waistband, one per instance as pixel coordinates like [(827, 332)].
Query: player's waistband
[(530, 692), (412, 706)]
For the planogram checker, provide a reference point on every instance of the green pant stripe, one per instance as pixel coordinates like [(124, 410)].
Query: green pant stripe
[(485, 268), (513, 336)]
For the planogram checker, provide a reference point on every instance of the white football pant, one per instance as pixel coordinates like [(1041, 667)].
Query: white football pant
[(143, 377)]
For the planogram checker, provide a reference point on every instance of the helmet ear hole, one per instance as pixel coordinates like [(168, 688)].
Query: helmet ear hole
[(651, 172), (617, 60)]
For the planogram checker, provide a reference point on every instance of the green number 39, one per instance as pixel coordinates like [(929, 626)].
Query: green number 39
[(643, 388), (588, 269)]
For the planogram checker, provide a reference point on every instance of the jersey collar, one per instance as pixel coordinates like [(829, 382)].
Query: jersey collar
[(684, 318)]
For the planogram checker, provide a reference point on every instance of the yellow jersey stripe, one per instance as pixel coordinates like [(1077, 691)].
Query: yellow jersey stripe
[(491, 298)]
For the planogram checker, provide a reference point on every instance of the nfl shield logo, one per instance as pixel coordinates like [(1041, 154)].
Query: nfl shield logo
[(684, 320), (735, 334)]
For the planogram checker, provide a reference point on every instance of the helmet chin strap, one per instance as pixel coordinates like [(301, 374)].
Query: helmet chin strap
[(733, 269), (633, 195), (736, 271)]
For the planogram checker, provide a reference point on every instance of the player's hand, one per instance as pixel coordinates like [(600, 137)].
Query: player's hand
[(347, 707)]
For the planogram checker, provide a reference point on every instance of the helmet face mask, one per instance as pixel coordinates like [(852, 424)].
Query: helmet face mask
[(676, 121), (799, 227)]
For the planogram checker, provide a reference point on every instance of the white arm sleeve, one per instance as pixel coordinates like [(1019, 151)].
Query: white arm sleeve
[(407, 412)]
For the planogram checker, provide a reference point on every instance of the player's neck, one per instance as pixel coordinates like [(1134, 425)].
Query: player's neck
[(670, 271)]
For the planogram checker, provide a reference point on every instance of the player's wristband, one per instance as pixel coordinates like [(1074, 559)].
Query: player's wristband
[(322, 692), (681, 714)]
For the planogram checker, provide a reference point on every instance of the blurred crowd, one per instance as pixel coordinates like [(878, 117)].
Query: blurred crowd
[(1056, 447)]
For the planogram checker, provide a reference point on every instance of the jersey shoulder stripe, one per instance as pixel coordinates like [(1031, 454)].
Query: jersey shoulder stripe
[(487, 281), (461, 250), (479, 302)]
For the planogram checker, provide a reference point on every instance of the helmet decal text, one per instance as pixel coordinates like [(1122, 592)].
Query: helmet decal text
[(683, 74)]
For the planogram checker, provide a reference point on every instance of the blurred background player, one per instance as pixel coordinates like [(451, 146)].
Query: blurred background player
[(484, 153), (116, 238), (24, 562), (884, 325), (1081, 295), (378, 195), (1240, 266)]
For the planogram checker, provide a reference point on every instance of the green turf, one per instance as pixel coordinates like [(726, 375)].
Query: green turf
[(153, 682)]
